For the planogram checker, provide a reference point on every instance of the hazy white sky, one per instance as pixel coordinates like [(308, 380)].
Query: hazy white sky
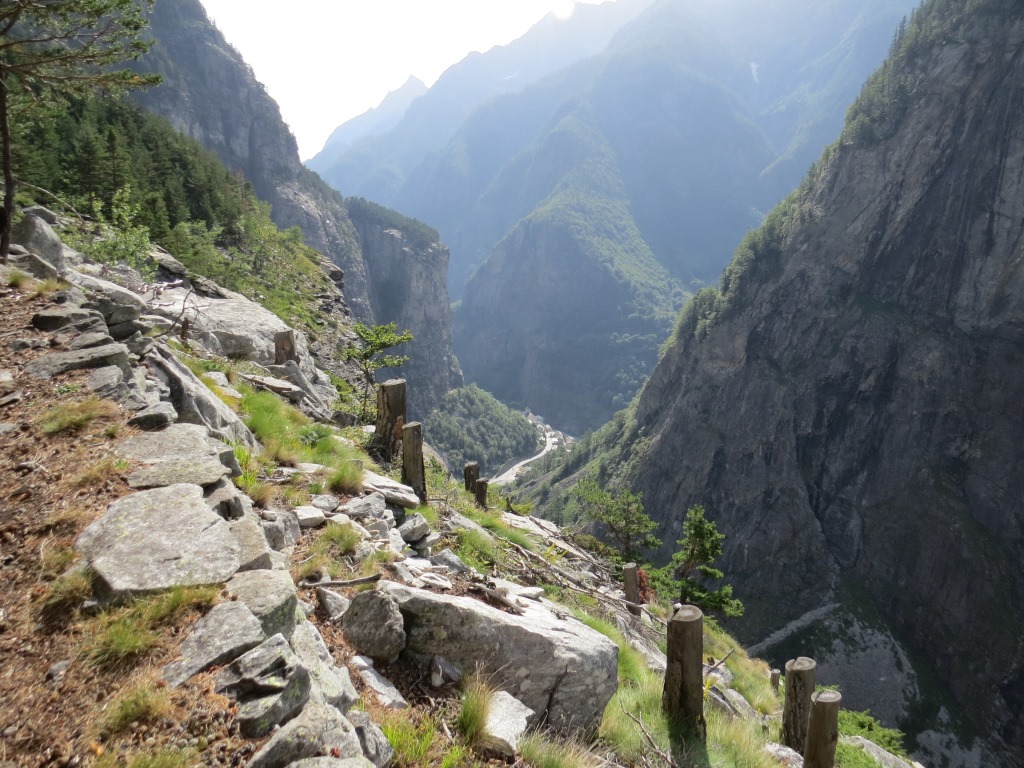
[(326, 61)]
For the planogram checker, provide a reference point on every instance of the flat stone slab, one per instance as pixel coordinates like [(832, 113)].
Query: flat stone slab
[(387, 694), (222, 635), (158, 539), (277, 386), (54, 363), (198, 470), (270, 595), (392, 491), (174, 442), (325, 502)]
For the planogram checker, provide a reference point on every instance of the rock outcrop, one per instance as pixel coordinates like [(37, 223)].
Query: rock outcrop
[(847, 408)]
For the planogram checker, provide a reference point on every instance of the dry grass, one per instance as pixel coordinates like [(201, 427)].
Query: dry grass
[(72, 417)]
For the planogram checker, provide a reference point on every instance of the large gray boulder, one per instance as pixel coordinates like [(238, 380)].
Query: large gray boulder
[(194, 401), (376, 747), (226, 632), (158, 539), (318, 730), (254, 552), (270, 684), (37, 236), (557, 667), (116, 304), (373, 625), (198, 470)]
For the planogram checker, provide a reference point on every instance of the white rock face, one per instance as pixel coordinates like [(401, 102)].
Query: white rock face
[(554, 666)]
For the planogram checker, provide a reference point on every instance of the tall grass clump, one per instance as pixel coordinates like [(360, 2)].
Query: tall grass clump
[(333, 543), (411, 741), (144, 702), (476, 706)]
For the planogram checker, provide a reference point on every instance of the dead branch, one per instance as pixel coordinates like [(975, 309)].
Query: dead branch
[(650, 739), (348, 583)]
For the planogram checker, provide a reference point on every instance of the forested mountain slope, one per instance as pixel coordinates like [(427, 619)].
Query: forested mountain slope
[(847, 404)]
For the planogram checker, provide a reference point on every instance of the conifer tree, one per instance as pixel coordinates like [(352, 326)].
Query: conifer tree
[(53, 48), (700, 546)]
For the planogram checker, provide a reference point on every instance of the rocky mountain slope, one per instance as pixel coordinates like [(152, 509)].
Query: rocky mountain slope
[(634, 170), (675, 145), (846, 404), (210, 94)]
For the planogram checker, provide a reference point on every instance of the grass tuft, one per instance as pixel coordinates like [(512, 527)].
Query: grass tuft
[(61, 601), (476, 706), (120, 644), (144, 702), (333, 543), (18, 279), (539, 751), (411, 741), (347, 477), (72, 417)]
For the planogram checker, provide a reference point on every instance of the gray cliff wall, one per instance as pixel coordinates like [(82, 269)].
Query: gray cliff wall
[(855, 413), (409, 289)]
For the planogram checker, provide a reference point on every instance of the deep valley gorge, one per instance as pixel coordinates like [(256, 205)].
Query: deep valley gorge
[(729, 291)]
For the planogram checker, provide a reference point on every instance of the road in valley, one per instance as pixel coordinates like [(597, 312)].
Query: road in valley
[(512, 472)]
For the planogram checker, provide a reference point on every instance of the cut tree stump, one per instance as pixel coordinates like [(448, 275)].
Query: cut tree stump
[(471, 473), (390, 418), (631, 584), (823, 730), (413, 473), (481, 493), (683, 697), (801, 677)]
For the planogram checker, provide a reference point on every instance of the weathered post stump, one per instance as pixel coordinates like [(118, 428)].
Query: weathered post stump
[(481, 493), (683, 697), (471, 473), (413, 473), (823, 730), (776, 675), (632, 588), (801, 677), (390, 418), (285, 348)]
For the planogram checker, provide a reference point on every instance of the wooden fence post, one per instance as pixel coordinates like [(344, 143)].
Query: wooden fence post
[(632, 587), (285, 348), (823, 730), (390, 418), (471, 473), (683, 697), (413, 473), (801, 677), (776, 674), (481, 493)]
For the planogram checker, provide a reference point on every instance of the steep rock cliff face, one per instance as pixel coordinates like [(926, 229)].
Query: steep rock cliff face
[(410, 290), (210, 94), (849, 407)]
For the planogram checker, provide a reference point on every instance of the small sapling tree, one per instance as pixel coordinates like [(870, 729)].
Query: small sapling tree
[(622, 514), (700, 546), (370, 356)]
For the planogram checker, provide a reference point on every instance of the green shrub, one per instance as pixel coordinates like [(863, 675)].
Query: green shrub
[(852, 723)]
